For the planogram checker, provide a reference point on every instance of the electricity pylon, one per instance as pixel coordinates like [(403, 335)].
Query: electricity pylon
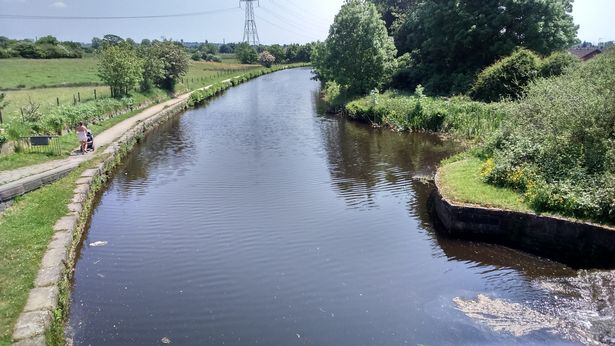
[(250, 34)]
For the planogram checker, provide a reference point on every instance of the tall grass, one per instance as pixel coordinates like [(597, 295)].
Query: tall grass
[(402, 112)]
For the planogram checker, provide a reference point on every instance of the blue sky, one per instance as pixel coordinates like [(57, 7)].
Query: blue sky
[(278, 21)]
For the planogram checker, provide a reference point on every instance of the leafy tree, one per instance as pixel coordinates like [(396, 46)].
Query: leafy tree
[(394, 11), (226, 49), (277, 51), (120, 67), (208, 48), (451, 40), (47, 40), (111, 40), (266, 59), (146, 42), (153, 67), (358, 54), (246, 54), (174, 61), (96, 42), (291, 52), (558, 63)]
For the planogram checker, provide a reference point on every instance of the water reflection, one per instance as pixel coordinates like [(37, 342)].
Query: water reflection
[(363, 160)]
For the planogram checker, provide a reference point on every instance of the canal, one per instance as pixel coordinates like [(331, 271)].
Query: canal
[(258, 220)]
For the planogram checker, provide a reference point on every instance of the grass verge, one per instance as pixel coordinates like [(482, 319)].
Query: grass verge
[(25, 231), (460, 181)]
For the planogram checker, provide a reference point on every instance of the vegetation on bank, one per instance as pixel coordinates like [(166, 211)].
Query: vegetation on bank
[(557, 145), (25, 230)]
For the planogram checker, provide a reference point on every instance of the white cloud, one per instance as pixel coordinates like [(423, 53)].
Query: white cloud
[(58, 4)]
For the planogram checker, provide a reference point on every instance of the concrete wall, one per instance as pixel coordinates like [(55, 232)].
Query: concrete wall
[(578, 244)]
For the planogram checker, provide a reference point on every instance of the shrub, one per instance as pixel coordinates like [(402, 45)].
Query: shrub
[(558, 144), (507, 78), (557, 63), (266, 59)]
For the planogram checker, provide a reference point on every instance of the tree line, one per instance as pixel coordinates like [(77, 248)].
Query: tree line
[(440, 44), (47, 47)]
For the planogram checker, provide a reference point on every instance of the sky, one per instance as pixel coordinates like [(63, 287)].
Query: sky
[(278, 21)]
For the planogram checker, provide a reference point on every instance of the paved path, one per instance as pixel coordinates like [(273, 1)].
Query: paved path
[(18, 181)]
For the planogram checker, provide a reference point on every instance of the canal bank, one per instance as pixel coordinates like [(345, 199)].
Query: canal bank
[(507, 221), (46, 304)]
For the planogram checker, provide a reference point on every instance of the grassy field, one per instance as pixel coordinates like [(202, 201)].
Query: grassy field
[(83, 71), (460, 181), (29, 73)]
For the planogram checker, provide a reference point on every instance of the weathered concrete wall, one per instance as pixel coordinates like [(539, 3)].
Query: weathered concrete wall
[(578, 244), (43, 300)]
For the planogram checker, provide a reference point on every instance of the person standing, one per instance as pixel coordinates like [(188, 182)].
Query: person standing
[(82, 134)]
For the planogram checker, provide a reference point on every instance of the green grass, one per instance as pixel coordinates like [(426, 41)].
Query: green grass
[(25, 231), (29, 73), (460, 181)]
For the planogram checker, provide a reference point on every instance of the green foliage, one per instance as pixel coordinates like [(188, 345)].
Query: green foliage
[(120, 68), (558, 144), (153, 67), (450, 41), (266, 59), (417, 112), (507, 78), (558, 63), (358, 53), (246, 54), (47, 47), (174, 61)]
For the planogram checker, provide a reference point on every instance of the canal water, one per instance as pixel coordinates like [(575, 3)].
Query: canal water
[(258, 220)]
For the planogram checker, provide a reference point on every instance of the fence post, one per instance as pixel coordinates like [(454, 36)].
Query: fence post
[(95, 94), (74, 100), (58, 101), (79, 96), (1, 121)]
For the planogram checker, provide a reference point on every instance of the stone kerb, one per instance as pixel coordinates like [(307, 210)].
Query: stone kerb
[(575, 243)]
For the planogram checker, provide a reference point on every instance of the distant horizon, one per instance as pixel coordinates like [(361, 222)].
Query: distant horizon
[(278, 21)]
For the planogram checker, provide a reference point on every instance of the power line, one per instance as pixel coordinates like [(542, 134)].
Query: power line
[(288, 24), (287, 29), (191, 14)]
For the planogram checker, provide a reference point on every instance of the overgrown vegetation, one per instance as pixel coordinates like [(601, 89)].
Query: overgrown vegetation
[(456, 115), (557, 145), (47, 47)]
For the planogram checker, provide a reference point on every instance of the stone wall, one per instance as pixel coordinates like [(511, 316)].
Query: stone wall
[(578, 244)]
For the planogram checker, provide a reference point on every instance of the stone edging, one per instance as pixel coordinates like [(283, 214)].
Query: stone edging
[(38, 314), (578, 244)]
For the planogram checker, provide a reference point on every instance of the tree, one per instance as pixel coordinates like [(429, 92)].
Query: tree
[(153, 67), (266, 59), (120, 67), (146, 42), (96, 42), (226, 49), (358, 54), (394, 11), (452, 40), (47, 40), (277, 51), (246, 54), (111, 40), (174, 61)]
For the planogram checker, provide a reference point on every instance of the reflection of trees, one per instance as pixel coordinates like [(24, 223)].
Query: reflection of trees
[(169, 147), (362, 160)]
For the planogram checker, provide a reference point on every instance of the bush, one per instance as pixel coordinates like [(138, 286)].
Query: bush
[(558, 144), (266, 59), (196, 56), (507, 78), (557, 63)]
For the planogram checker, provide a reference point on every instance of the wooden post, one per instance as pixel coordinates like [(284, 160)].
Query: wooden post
[(58, 101), (79, 96), (1, 121), (74, 100), (95, 94)]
